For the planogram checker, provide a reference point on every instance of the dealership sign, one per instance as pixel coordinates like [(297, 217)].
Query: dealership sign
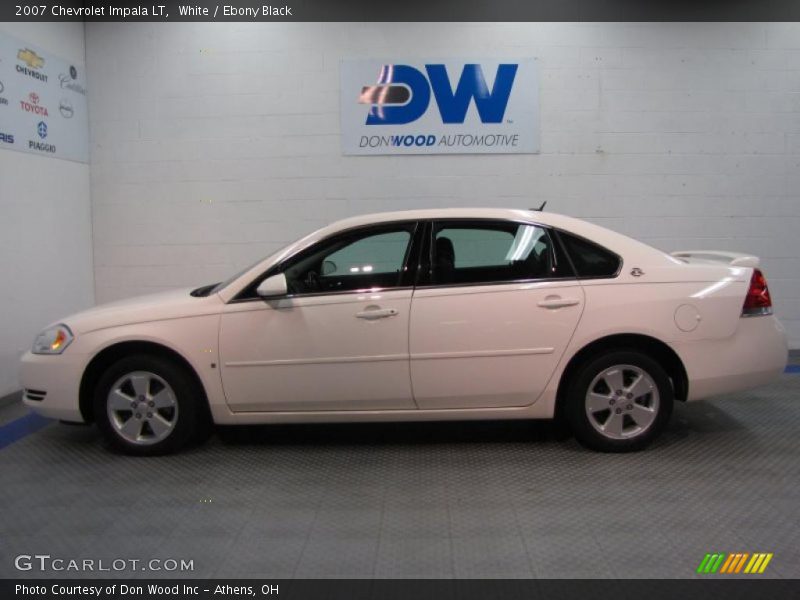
[(439, 106), (42, 102)]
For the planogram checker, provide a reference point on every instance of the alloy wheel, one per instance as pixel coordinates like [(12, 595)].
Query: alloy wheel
[(622, 402), (142, 408)]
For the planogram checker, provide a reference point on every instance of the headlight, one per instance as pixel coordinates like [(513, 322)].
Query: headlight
[(53, 340)]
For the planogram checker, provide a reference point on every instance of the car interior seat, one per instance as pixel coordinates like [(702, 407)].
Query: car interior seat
[(445, 261)]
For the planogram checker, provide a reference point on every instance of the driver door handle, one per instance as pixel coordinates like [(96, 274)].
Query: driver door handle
[(558, 302), (372, 313)]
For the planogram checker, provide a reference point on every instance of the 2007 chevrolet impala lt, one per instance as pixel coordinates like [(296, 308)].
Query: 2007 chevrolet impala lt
[(421, 315)]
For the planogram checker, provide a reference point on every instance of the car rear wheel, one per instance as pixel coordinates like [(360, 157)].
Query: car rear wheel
[(147, 405), (619, 402)]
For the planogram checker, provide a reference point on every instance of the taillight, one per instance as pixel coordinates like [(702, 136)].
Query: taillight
[(757, 301)]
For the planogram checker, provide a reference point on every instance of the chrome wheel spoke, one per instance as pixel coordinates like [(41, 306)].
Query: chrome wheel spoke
[(614, 379), (163, 399), (597, 402), (642, 385), (132, 428), (117, 400), (642, 415), (159, 425), (613, 424), (140, 384)]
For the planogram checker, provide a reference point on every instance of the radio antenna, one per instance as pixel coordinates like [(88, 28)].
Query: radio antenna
[(541, 208)]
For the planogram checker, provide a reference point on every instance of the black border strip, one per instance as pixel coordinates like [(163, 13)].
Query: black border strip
[(730, 588), (425, 10)]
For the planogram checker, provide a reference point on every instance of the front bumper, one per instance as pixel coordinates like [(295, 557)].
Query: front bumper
[(59, 377), (754, 355)]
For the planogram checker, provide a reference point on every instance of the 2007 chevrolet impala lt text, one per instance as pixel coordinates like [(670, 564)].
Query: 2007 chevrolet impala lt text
[(421, 315)]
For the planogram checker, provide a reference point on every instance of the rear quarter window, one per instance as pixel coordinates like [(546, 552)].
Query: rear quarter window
[(588, 258)]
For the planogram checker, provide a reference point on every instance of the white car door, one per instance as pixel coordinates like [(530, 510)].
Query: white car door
[(494, 316), (337, 341)]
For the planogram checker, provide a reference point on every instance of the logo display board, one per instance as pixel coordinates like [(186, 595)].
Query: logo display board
[(447, 106), (43, 106)]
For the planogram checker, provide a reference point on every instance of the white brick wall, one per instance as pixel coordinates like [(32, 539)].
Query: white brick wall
[(45, 225), (214, 144)]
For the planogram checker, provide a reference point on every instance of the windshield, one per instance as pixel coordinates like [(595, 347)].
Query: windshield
[(213, 288)]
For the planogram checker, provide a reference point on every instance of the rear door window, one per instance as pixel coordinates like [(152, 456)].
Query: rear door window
[(589, 259), (492, 251)]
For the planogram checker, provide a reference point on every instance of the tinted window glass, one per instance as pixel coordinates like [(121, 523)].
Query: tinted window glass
[(590, 260), (479, 247), (362, 260), (491, 251), (381, 253)]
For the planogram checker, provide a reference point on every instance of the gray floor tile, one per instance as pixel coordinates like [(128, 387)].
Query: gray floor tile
[(421, 500)]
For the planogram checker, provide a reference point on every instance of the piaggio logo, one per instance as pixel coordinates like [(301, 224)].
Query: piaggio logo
[(32, 105), (41, 129), (402, 94), (734, 563)]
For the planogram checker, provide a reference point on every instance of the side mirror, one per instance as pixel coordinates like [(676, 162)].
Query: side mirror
[(272, 287)]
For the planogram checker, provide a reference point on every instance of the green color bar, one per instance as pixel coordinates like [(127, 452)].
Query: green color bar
[(711, 562), (702, 567), (718, 563)]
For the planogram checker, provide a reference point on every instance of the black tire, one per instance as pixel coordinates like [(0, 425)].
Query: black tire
[(580, 422), (191, 418)]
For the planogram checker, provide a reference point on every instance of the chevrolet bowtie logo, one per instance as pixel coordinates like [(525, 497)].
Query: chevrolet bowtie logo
[(30, 58), (734, 563)]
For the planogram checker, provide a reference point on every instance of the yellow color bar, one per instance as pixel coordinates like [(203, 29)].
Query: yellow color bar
[(764, 564), (754, 562), (749, 566)]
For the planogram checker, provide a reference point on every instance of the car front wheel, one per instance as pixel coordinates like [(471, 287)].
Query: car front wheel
[(619, 402), (147, 405)]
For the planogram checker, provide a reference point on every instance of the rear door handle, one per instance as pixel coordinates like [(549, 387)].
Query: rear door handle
[(558, 302), (376, 313)]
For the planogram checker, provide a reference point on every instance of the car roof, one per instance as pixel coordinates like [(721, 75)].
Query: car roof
[(541, 217)]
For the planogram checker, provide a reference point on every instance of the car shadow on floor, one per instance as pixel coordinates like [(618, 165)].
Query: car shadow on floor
[(372, 434), (688, 420)]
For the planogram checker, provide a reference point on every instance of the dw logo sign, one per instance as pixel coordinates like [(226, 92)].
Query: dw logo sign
[(439, 107), (402, 94)]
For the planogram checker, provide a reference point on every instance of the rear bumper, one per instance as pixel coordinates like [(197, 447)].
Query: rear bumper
[(58, 377), (756, 354)]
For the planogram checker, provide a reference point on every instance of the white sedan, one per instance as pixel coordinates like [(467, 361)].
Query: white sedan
[(421, 315)]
